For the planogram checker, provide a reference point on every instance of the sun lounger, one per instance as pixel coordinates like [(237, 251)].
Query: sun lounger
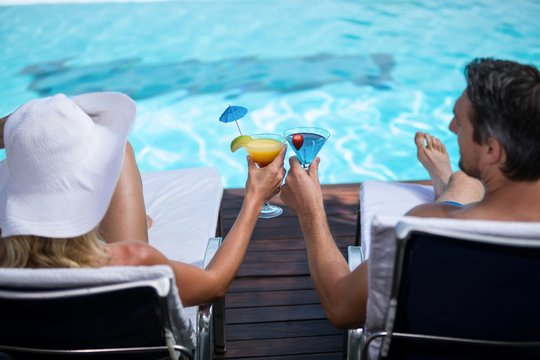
[(456, 280)]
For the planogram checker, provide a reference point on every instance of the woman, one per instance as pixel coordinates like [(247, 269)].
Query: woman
[(71, 195)]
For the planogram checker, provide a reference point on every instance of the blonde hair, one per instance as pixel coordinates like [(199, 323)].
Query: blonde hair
[(29, 251)]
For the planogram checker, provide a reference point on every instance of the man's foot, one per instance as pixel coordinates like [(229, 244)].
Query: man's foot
[(432, 155)]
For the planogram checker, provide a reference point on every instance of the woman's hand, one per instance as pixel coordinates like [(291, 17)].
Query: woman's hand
[(263, 183)]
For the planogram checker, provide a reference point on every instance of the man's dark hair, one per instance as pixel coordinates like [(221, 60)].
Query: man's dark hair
[(506, 99)]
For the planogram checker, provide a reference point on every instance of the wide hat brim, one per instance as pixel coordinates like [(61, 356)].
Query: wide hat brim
[(75, 201)]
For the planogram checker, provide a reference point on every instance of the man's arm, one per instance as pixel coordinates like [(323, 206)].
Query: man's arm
[(343, 294)]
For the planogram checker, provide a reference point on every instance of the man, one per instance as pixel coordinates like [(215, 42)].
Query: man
[(497, 123)]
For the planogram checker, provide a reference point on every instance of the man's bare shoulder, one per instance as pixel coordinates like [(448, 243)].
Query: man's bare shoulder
[(437, 209)]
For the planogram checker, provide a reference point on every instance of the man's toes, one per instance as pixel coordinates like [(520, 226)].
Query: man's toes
[(419, 139), (429, 140), (436, 143)]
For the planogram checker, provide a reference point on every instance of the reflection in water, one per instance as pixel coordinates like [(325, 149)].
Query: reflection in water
[(232, 77)]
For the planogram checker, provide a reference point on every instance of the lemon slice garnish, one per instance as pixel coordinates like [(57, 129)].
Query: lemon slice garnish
[(240, 141)]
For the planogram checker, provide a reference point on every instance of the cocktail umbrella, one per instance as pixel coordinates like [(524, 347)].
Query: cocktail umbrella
[(233, 113)]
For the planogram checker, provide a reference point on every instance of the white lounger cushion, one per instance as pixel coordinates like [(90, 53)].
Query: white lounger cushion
[(184, 206), (388, 198)]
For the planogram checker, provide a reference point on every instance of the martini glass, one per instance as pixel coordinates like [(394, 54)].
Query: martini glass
[(263, 149), (306, 142)]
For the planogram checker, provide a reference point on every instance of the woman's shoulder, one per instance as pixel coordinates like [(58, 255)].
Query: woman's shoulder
[(134, 253)]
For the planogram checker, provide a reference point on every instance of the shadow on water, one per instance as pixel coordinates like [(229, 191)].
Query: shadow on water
[(232, 77)]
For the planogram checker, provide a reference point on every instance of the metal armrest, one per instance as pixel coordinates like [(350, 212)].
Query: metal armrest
[(354, 336), (211, 319), (355, 256), (211, 248)]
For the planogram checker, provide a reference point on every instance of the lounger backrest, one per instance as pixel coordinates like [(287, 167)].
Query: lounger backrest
[(385, 243), (91, 308)]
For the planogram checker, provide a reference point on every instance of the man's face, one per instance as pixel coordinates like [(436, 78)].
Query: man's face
[(461, 125)]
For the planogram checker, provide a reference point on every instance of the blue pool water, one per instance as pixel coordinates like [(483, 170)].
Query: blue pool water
[(372, 73)]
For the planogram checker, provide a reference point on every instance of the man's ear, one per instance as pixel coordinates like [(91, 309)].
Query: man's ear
[(494, 151)]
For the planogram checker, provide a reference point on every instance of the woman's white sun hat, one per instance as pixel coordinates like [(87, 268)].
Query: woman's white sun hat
[(63, 161)]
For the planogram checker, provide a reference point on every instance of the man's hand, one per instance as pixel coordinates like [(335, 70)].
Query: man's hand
[(264, 183), (302, 190)]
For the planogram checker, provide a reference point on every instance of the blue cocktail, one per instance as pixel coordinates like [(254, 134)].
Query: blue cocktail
[(306, 142)]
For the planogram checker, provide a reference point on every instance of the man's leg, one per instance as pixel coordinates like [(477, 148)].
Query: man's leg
[(126, 217), (463, 189), (448, 186)]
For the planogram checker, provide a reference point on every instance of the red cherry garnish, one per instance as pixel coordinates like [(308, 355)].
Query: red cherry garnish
[(297, 141)]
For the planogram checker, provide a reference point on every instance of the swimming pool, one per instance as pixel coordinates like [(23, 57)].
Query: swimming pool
[(370, 73)]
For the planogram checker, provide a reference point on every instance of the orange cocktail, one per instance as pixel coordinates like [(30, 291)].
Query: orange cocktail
[(263, 150)]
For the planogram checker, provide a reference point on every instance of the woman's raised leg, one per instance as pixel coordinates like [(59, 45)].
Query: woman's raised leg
[(126, 217)]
